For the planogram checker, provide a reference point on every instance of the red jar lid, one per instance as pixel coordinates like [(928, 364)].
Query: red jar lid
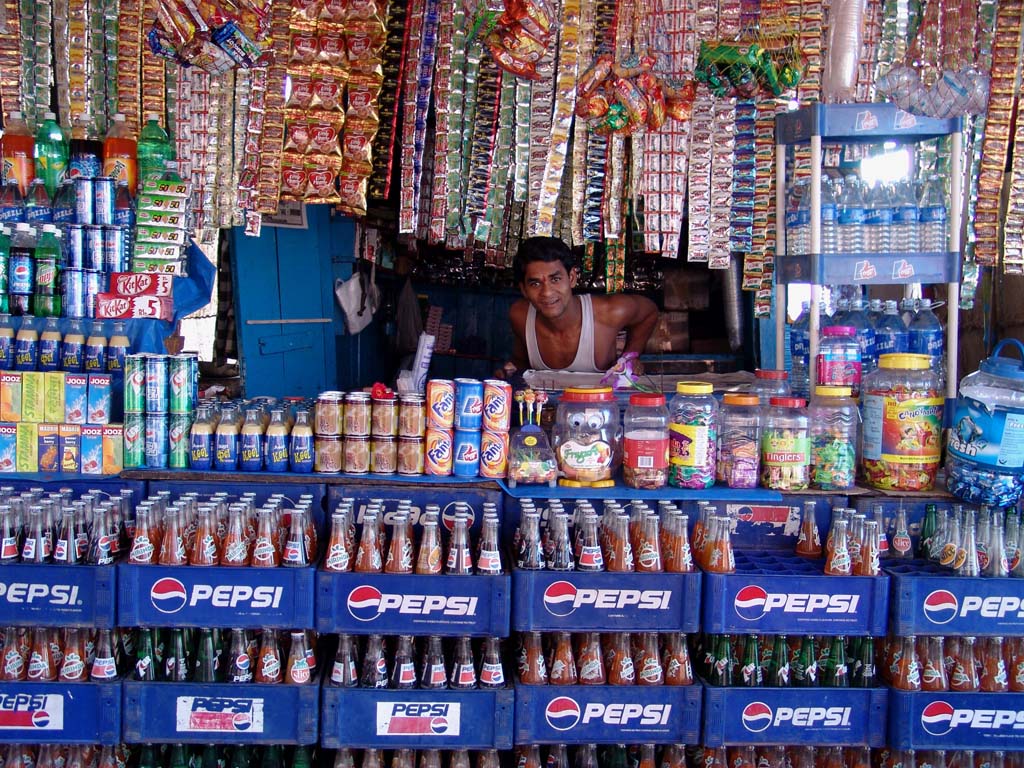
[(771, 374), (839, 330), (788, 402), (650, 399), (588, 395)]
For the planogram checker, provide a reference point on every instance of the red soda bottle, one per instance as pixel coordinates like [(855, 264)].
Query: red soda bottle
[(590, 557), (1015, 654), (838, 562), (266, 552), (808, 544), (268, 662), (620, 664), (532, 667), (933, 668), (40, 662), (144, 549), (339, 557), (298, 669), (906, 674), (964, 676), (648, 551), (172, 547), (235, 546), (400, 551), (428, 559), (368, 556), (296, 544), (72, 670), (719, 553), (647, 662), (678, 553), (563, 665), (206, 550), (993, 667)]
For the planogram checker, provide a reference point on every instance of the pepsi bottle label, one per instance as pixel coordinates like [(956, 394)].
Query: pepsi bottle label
[(22, 273)]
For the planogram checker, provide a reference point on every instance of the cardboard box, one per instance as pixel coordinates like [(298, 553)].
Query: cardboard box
[(100, 399), (671, 334), (10, 396), (71, 448), (76, 398), (53, 394), (113, 307), (49, 447), (113, 449), (28, 447), (33, 396), (136, 284), (8, 447), (92, 450)]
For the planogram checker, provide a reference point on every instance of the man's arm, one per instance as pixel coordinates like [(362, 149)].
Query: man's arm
[(520, 359), (638, 316)]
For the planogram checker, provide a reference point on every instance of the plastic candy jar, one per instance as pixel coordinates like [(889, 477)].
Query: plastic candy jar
[(839, 361), (835, 438), (785, 446), (693, 436), (587, 438), (902, 424), (769, 383), (645, 442), (739, 440)]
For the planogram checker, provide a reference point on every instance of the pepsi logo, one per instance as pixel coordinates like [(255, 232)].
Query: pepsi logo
[(940, 607), (40, 719), (168, 595), (364, 603), (242, 721), (242, 662), (560, 598), (750, 603), (449, 512), (937, 718), (562, 713), (757, 716), (472, 406), (467, 453), (439, 725)]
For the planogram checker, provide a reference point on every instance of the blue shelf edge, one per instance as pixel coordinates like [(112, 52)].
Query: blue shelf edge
[(620, 491), (869, 268), (850, 123)]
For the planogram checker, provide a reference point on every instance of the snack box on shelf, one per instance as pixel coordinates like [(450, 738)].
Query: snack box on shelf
[(948, 720), (225, 713), (40, 595), (608, 714), (420, 719), (928, 599), (810, 716), (773, 592), (60, 713)]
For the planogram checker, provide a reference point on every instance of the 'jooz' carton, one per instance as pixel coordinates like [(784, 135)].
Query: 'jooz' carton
[(10, 396), (8, 447), (76, 398), (113, 449), (92, 449), (100, 398)]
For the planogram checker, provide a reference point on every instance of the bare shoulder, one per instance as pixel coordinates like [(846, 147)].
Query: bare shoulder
[(517, 315), (621, 309)]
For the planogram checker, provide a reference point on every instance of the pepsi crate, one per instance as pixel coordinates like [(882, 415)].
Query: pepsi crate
[(178, 596), (64, 713), (225, 713), (947, 720), (605, 602), (104, 486), (388, 603), (782, 593), (263, 491), (608, 714), (390, 494), (929, 600), (419, 719), (810, 716), (39, 595)]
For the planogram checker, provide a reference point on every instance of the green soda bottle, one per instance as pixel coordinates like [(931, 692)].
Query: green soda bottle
[(51, 153)]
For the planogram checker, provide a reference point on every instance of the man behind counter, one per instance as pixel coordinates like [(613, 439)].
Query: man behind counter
[(558, 330)]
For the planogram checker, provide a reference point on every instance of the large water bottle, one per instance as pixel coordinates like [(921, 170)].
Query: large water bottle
[(840, 316), (12, 204), (876, 308), (908, 311), (798, 219), (877, 220), (891, 335), (829, 220), (931, 216), (927, 336), (51, 154), (800, 351), (865, 334), (154, 149), (851, 216), (904, 219)]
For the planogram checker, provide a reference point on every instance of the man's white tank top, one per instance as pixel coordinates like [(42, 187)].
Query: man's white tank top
[(584, 360)]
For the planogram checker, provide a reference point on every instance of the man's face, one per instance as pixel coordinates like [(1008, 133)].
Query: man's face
[(548, 287)]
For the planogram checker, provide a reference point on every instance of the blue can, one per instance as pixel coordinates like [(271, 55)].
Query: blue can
[(300, 453), (93, 287), (74, 250), (277, 453), (115, 250), (466, 448), (200, 448), (225, 456), (85, 200), (469, 403), (73, 292), (157, 443), (103, 209), (93, 247), (157, 389)]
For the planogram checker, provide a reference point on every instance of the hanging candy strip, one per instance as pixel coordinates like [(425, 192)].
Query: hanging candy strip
[(741, 222), (233, 122), (455, 237), (542, 100), (61, 62), (580, 127), (10, 58), (723, 141), (868, 52), (393, 63), (615, 168), (442, 86), (95, 77), (129, 62), (428, 52), (499, 192), (1013, 230), (481, 154), (111, 29), (597, 144), (522, 138), (266, 116), (471, 83), (27, 60), (408, 191)]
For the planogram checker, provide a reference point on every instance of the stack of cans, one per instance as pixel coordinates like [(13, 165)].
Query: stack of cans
[(160, 393), (497, 420), (467, 427)]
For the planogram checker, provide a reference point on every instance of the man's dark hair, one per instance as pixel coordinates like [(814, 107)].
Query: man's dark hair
[(541, 249)]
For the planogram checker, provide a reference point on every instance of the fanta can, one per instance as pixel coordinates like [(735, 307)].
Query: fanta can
[(441, 403), (467, 452), (469, 403), (438, 458), (497, 405), (493, 454)]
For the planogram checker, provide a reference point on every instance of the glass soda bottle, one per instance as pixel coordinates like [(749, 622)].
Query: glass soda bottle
[(964, 676), (297, 670), (268, 662), (621, 670), (239, 661), (808, 543), (368, 555), (720, 557), (296, 552), (265, 551), (374, 673), (906, 673), (647, 662), (338, 556), (563, 665), (206, 550), (343, 672), (72, 669), (490, 559), (993, 678), (434, 675), (676, 661), (532, 665), (463, 675), (119, 154), (492, 673)]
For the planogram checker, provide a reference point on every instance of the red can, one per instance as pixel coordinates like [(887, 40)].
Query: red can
[(439, 454), (497, 405), (440, 404), (493, 454)]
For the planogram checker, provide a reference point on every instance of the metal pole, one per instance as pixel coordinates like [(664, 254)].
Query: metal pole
[(815, 318), (953, 288), (780, 250)]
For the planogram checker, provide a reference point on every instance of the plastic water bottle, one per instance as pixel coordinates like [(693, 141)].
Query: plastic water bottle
[(154, 149), (12, 204), (851, 216), (927, 336), (829, 220), (904, 219), (798, 220), (38, 209), (931, 216), (865, 334), (840, 316), (64, 204), (891, 335), (51, 153), (800, 351), (876, 308), (908, 311), (878, 220)]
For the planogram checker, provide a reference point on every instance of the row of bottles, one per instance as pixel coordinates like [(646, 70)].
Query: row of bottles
[(961, 664), (856, 542), (70, 655), (987, 542), (40, 346), (82, 201), (229, 438)]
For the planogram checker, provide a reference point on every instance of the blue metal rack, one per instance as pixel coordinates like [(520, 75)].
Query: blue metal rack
[(869, 268), (923, 720), (65, 713), (58, 595)]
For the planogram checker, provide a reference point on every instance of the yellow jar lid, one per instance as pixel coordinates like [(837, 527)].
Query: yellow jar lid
[(694, 388), (829, 390), (905, 360)]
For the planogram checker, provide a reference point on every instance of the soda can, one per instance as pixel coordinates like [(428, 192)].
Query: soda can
[(93, 287), (135, 384), (157, 444), (115, 250), (74, 248), (103, 209), (179, 376), (85, 200), (134, 440), (466, 447), (469, 403), (438, 458), (157, 397), (497, 405), (178, 437), (93, 247), (493, 454), (441, 403), (73, 292)]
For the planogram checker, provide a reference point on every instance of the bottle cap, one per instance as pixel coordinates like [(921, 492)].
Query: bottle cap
[(119, 117), (694, 388), (588, 394), (788, 402), (770, 374), (49, 116), (830, 390), (738, 398), (906, 360), (154, 116), (650, 399)]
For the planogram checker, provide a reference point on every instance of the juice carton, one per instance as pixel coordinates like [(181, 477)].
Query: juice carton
[(92, 449), (100, 398), (71, 448), (10, 396), (76, 392), (33, 396), (28, 447), (53, 396), (8, 447), (113, 449), (49, 447)]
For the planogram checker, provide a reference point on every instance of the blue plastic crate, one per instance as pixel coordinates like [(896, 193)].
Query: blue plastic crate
[(608, 714), (104, 485), (923, 720), (613, 602), (930, 600), (776, 593), (811, 716), (65, 713), (175, 596), (202, 713), (388, 603), (420, 494), (58, 595), (386, 719)]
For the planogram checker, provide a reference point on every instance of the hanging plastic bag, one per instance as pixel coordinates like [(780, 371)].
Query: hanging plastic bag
[(359, 298)]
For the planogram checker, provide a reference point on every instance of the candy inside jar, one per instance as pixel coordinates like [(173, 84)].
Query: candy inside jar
[(587, 438), (645, 445), (835, 438), (693, 436), (739, 441), (785, 447)]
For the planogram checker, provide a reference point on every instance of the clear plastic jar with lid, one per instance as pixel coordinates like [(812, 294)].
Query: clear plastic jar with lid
[(769, 383), (902, 424), (839, 363), (693, 436), (786, 446), (835, 438), (739, 440), (587, 438), (645, 442)]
